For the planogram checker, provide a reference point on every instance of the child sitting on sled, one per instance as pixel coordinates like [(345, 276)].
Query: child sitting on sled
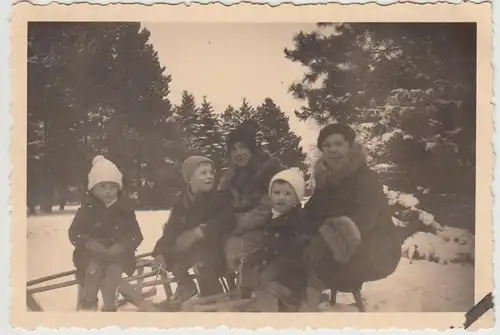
[(281, 273), (194, 234), (105, 234)]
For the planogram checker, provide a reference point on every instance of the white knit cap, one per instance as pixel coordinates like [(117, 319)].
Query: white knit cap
[(295, 178), (104, 170)]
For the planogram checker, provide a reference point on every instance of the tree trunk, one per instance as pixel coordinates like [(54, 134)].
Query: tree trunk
[(46, 205), (61, 196)]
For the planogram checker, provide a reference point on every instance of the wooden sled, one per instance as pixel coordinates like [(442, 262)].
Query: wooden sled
[(133, 289)]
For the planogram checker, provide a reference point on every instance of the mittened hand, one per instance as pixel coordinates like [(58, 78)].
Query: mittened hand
[(116, 249), (186, 239), (95, 247)]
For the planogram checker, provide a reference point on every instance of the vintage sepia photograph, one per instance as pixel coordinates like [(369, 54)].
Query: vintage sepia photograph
[(327, 166)]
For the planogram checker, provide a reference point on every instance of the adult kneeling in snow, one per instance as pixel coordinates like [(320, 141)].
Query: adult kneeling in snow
[(354, 239)]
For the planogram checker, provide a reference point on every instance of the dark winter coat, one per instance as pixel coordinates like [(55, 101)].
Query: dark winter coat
[(354, 194), (246, 189), (212, 213), (282, 250), (108, 226)]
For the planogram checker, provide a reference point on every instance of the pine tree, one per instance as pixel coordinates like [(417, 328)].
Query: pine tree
[(246, 111), (208, 136), (228, 120), (276, 136), (86, 97), (188, 121), (409, 90)]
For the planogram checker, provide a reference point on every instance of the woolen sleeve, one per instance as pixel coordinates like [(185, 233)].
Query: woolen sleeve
[(369, 201), (223, 221), (167, 239), (134, 237), (78, 233)]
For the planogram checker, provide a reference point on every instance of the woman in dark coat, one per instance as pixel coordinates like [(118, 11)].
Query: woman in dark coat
[(354, 239), (194, 234), (245, 185)]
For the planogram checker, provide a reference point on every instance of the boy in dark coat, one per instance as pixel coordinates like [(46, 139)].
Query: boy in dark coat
[(105, 234), (282, 273), (193, 236)]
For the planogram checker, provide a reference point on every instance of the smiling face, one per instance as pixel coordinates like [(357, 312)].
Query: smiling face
[(203, 178), (283, 196), (241, 154), (107, 192), (335, 149)]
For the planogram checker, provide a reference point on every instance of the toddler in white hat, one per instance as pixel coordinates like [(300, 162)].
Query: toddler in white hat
[(105, 234), (286, 189), (282, 273)]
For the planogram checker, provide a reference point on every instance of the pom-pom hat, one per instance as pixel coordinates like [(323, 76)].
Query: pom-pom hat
[(294, 177), (104, 170)]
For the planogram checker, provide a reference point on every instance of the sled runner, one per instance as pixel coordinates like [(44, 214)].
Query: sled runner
[(134, 289)]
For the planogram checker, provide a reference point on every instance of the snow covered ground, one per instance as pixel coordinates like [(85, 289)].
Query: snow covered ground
[(420, 286)]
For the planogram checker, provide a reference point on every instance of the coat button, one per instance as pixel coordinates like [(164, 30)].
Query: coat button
[(264, 262), (276, 235)]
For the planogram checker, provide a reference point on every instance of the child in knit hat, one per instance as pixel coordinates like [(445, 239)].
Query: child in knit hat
[(282, 276), (105, 234), (193, 236)]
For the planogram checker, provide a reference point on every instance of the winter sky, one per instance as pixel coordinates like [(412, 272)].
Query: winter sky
[(229, 61)]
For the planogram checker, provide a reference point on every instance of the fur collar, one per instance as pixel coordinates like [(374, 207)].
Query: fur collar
[(259, 165), (325, 176)]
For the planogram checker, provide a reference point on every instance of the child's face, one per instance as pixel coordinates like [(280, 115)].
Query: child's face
[(107, 192), (203, 178), (283, 196), (241, 154)]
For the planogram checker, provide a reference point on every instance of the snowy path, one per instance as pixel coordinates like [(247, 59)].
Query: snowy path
[(421, 286)]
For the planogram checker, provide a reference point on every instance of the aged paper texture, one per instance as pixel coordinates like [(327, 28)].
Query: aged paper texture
[(169, 15)]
